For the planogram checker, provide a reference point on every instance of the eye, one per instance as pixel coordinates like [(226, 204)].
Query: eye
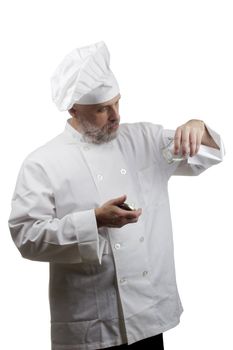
[(102, 109)]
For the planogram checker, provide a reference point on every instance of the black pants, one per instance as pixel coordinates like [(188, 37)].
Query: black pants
[(155, 343)]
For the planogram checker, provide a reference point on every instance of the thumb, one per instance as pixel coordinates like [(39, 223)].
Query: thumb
[(118, 200)]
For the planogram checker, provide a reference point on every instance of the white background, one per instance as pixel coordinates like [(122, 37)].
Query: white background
[(173, 61)]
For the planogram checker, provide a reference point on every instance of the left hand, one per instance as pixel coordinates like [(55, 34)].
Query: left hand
[(188, 137)]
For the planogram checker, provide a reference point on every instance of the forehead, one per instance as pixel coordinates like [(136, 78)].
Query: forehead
[(107, 103)]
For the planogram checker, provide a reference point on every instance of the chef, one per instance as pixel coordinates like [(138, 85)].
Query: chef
[(93, 202)]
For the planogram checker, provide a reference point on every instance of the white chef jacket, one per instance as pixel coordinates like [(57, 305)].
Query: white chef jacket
[(107, 286)]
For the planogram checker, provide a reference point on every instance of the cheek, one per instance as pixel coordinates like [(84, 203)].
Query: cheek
[(94, 120), (101, 120)]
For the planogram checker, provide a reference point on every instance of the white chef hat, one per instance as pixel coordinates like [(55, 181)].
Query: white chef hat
[(84, 77)]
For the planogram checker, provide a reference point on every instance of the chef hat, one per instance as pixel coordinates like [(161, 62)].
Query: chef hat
[(84, 77)]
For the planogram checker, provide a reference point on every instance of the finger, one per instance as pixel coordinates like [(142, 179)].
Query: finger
[(192, 142), (185, 141), (198, 143), (177, 140), (118, 200), (126, 221), (132, 221), (132, 214)]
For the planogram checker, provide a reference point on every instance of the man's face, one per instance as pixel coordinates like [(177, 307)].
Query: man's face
[(98, 123)]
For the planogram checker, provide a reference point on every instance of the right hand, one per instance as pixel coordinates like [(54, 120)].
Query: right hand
[(110, 215)]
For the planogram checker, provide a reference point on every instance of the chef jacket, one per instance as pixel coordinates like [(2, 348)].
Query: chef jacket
[(107, 286)]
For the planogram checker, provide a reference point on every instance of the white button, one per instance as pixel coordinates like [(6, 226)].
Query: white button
[(117, 246), (122, 280), (123, 171), (100, 177), (141, 239), (145, 273)]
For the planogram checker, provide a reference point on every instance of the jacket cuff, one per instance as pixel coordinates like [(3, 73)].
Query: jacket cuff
[(90, 244), (213, 155)]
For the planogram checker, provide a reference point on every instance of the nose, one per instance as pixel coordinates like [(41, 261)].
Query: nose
[(114, 113)]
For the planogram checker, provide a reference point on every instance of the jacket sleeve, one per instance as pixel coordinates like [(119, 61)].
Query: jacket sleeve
[(205, 158), (39, 234)]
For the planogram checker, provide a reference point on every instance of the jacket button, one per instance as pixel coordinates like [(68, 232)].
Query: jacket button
[(122, 280), (123, 171), (141, 239), (100, 177), (145, 273), (117, 246)]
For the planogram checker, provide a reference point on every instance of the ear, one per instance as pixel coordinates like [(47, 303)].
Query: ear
[(73, 111)]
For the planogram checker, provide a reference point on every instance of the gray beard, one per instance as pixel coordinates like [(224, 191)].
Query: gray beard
[(93, 134)]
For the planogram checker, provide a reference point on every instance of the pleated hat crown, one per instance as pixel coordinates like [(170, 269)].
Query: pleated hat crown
[(84, 77)]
